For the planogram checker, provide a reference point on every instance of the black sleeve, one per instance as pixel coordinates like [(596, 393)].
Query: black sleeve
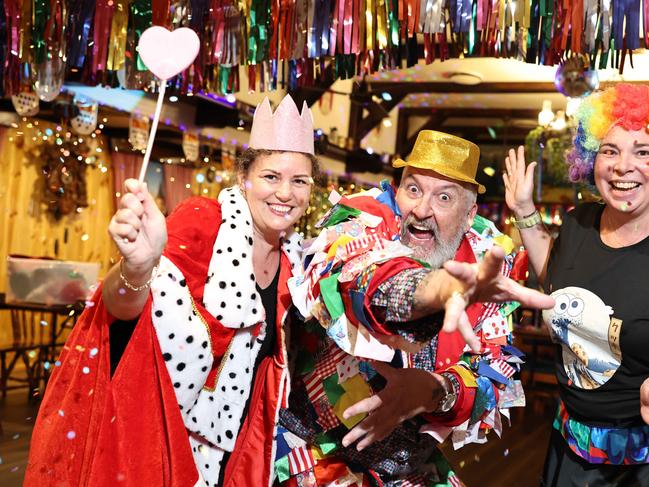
[(119, 333)]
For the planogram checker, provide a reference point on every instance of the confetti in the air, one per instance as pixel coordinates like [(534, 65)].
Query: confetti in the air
[(71, 435), (93, 352), (85, 370)]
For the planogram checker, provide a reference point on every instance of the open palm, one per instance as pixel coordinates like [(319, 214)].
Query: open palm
[(519, 183)]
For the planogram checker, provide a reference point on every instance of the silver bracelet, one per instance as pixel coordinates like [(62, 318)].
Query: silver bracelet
[(130, 286)]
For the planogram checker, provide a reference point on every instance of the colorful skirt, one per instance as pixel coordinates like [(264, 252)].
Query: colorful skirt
[(602, 445)]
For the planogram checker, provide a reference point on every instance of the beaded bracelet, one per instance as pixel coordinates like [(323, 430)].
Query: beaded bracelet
[(130, 286)]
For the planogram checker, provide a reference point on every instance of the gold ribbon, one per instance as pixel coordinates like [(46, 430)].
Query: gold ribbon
[(381, 24), (117, 41), (369, 25), (24, 52)]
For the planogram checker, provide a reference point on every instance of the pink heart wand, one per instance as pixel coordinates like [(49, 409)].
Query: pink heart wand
[(165, 53)]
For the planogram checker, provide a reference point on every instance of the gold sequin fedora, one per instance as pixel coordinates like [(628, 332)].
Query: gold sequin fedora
[(445, 154)]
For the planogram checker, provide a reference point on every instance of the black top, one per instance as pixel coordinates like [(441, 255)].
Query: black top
[(269, 300), (600, 320)]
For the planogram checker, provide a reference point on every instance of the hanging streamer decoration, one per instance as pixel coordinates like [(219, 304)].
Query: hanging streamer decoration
[(294, 42)]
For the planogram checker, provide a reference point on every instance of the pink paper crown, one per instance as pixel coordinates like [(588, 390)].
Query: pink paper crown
[(284, 130)]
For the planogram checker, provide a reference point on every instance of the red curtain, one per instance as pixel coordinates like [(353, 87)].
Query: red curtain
[(125, 166), (176, 184)]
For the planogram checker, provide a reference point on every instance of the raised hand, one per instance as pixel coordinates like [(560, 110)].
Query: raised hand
[(407, 392), (484, 282), (138, 227), (519, 183)]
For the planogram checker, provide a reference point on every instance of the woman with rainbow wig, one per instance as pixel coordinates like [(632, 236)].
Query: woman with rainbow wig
[(596, 270)]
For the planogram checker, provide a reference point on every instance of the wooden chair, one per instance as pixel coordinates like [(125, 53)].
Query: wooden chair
[(28, 345)]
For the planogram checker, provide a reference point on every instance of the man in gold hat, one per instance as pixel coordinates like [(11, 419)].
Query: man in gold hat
[(437, 195), (433, 387)]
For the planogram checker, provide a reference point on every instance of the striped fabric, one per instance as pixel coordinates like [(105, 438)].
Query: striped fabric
[(414, 481), (359, 245), (503, 367), (299, 460), (314, 387)]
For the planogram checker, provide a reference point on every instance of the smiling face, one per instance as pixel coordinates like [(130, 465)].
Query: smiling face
[(622, 170), (277, 188), (437, 211)]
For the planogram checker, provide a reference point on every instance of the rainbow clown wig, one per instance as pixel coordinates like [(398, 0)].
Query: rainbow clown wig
[(624, 104)]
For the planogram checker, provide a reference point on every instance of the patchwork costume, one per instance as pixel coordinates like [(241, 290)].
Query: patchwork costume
[(192, 401), (601, 326), (359, 282)]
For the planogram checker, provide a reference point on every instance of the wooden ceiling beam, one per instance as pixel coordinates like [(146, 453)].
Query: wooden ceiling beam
[(378, 87), (361, 124), (471, 112)]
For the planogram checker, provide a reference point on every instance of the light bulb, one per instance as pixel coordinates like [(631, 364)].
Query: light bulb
[(559, 123), (546, 115)]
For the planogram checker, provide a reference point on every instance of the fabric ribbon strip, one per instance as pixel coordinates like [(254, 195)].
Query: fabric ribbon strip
[(81, 15), (103, 19), (117, 41), (41, 14), (141, 15)]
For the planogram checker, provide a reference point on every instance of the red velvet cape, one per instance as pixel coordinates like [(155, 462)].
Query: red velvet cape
[(92, 430)]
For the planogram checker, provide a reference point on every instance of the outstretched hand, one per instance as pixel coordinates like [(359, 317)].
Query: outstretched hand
[(484, 282), (408, 392)]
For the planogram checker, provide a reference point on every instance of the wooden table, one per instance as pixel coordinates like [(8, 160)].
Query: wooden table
[(37, 332)]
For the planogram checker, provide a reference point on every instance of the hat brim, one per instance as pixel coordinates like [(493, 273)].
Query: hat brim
[(444, 172)]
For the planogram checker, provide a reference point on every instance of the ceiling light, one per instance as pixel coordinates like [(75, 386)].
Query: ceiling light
[(468, 78)]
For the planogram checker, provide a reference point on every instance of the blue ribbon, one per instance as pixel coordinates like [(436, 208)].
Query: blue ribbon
[(80, 23), (388, 198), (631, 10)]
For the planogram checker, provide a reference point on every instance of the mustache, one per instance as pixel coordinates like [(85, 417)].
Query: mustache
[(427, 224)]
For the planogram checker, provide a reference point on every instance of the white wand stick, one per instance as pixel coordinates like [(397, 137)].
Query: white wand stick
[(154, 127)]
